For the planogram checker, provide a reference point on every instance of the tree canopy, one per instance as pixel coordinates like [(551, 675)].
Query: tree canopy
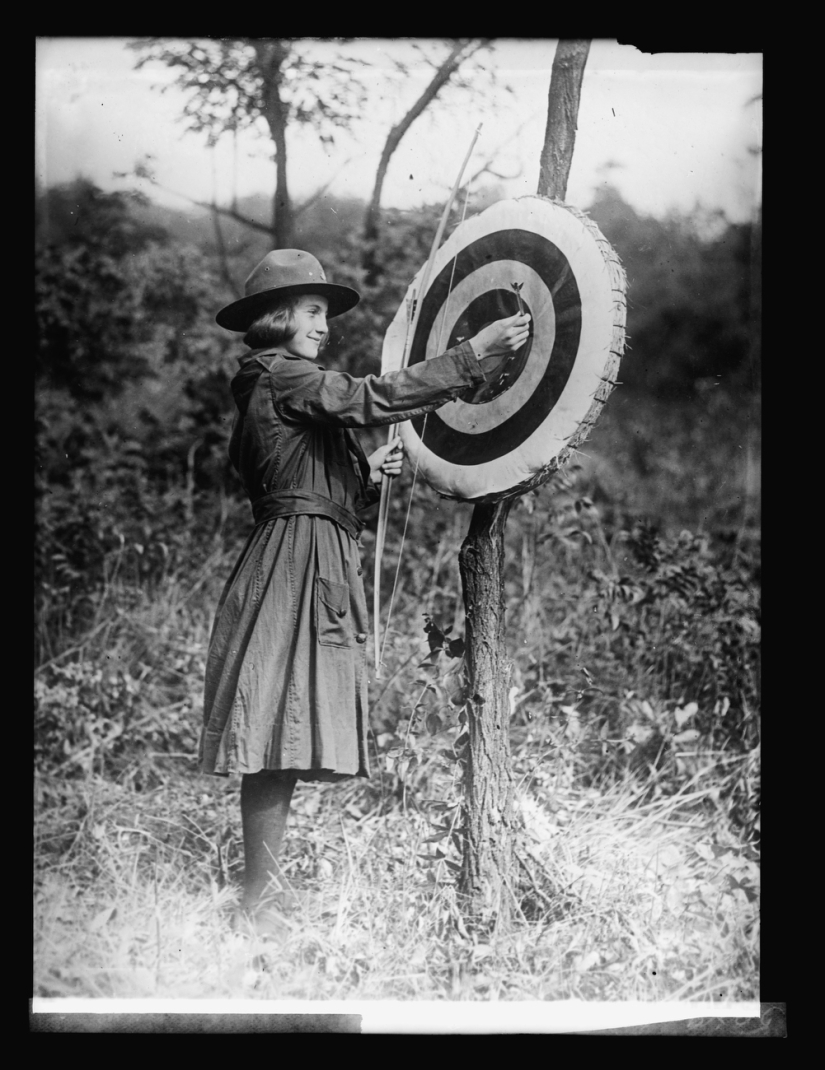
[(272, 85), (264, 84)]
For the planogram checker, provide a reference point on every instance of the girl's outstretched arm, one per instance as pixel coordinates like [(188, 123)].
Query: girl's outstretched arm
[(303, 391)]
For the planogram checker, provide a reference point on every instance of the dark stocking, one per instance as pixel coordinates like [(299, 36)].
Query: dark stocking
[(265, 800)]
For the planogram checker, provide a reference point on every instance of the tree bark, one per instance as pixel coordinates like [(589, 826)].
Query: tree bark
[(461, 52), (271, 56), (488, 797), (562, 114)]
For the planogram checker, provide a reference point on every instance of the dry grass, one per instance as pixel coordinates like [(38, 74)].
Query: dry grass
[(616, 899)]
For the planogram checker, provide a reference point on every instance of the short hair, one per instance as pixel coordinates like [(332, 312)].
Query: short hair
[(273, 327)]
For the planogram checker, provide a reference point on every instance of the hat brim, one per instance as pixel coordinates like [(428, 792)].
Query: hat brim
[(240, 315)]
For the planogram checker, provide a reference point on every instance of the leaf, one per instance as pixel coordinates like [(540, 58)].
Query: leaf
[(419, 956), (673, 900), (101, 918), (690, 736), (683, 715), (435, 637), (750, 894), (670, 856), (433, 723), (587, 962), (704, 850), (455, 648)]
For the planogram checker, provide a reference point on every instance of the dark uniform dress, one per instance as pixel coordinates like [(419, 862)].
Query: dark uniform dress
[(286, 672)]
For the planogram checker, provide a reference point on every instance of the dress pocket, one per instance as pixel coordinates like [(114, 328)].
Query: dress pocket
[(332, 617)]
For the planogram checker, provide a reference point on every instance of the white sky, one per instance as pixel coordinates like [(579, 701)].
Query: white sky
[(677, 127)]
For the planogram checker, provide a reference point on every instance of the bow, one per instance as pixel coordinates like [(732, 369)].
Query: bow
[(413, 314)]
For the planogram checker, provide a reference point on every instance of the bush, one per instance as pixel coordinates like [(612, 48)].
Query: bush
[(94, 720)]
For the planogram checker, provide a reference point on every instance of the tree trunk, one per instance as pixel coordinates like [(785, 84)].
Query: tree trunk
[(271, 56), (562, 114), (282, 220), (488, 797)]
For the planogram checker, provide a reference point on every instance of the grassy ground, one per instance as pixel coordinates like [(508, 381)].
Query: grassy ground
[(616, 899), (635, 737)]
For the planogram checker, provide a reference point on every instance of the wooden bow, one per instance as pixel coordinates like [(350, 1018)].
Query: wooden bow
[(412, 322)]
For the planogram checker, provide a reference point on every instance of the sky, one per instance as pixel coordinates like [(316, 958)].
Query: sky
[(671, 131)]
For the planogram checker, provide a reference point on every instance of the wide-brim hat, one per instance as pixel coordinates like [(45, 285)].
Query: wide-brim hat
[(282, 273)]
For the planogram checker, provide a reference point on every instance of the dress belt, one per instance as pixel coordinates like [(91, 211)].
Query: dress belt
[(304, 502)]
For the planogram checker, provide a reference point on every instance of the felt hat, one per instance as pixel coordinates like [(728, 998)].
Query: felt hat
[(283, 273)]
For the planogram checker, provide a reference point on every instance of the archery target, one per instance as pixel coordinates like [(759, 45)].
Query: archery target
[(508, 434)]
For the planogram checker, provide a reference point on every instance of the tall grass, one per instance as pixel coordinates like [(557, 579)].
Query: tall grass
[(615, 898), (633, 631)]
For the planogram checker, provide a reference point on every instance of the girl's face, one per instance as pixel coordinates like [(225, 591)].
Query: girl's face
[(310, 317)]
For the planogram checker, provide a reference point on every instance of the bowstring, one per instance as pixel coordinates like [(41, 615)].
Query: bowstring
[(421, 440), (384, 505)]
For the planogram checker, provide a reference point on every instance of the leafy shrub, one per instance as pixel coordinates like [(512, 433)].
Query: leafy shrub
[(94, 719), (689, 621)]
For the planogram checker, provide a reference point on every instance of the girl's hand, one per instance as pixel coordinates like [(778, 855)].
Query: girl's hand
[(502, 336), (387, 460)]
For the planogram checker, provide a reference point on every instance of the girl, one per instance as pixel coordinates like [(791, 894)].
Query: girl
[(286, 677)]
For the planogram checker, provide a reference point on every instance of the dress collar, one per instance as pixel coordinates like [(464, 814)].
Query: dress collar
[(253, 354)]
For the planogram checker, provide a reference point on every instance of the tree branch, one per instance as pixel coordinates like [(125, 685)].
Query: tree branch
[(302, 207), (231, 213), (458, 55), (486, 168)]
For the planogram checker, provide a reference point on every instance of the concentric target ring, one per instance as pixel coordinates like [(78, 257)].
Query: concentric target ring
[(511, 433), (469, 305)]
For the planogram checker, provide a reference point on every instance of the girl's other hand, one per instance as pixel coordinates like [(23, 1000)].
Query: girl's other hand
[(502, 336), (387, 460)]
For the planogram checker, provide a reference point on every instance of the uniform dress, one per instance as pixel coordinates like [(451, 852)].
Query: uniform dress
[(286, 672)]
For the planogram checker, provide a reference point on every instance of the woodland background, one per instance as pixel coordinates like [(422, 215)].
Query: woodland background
[(633, 623)]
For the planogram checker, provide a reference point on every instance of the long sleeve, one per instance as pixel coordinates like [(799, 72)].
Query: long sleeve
[(304, 392)]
